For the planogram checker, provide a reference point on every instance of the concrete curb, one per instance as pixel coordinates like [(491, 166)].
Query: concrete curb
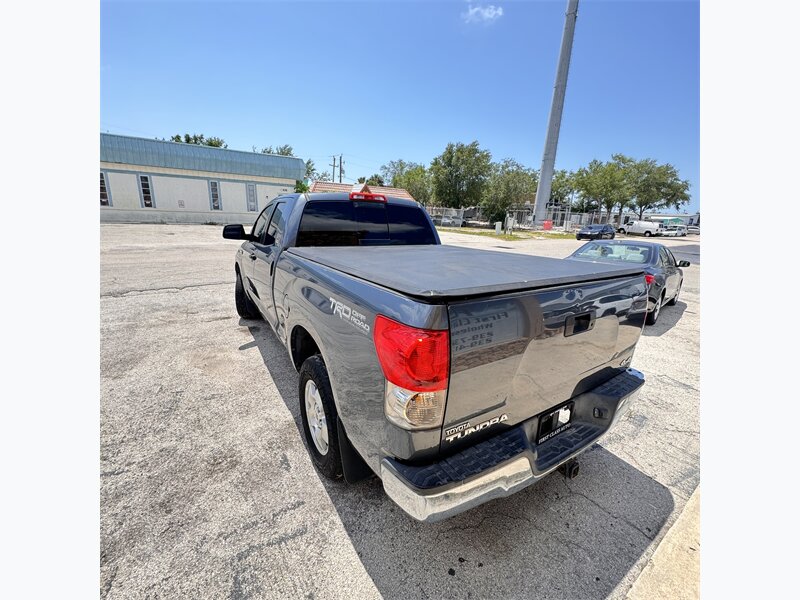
[(674, 569)]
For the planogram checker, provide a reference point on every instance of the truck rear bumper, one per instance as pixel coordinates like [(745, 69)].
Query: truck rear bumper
[(509, 461)]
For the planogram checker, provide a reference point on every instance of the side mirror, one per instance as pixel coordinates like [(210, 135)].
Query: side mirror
[(684, 263), (234, 232), (268, 239)]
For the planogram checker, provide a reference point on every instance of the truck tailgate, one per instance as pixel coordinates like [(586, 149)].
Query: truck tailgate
[(522, 354)]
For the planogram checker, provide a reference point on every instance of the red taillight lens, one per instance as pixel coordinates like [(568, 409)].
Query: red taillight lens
[(649, 279), (367, 197), (415, 359)]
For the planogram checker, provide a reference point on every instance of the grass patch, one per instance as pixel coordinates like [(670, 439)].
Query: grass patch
[(514, 237)]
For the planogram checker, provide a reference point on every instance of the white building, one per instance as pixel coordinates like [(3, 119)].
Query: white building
[(152, 181)]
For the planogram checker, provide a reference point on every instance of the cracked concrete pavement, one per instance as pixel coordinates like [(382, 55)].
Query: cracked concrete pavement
[(207, 490)]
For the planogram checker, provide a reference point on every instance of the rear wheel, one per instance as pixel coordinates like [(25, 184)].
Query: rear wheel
[(647, 234), (318, 413), (244, 306), (652, 316)]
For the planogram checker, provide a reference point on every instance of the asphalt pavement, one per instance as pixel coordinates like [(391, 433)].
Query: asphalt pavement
[(207, 490)]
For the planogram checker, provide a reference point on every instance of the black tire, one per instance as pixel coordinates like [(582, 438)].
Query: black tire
[(244, 306), (328, 463), (613, 235), (652, 316), (674, 300), (647, 234)]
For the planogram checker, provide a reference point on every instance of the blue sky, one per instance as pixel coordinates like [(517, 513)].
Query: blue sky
[(377, 81)]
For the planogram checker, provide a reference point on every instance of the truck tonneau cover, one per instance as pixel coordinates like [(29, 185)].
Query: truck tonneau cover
[(438, 272)]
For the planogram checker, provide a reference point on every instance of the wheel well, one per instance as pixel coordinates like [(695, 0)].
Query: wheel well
[(236, 267), (303, 346)]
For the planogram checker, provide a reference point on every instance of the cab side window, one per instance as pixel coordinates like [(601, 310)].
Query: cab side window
[(261, 223), (277, 224)]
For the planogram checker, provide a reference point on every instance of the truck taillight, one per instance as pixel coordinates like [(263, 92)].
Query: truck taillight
[(416, 359), (367, 197), (649, 279), (416, 364)]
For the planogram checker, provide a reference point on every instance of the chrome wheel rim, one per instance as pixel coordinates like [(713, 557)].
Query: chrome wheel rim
[(657, 309), (315, 415)]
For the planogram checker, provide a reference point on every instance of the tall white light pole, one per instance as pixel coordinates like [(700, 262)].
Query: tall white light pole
[(554, 123)]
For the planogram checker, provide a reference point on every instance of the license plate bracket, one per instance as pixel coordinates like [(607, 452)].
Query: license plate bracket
[(555, 422)]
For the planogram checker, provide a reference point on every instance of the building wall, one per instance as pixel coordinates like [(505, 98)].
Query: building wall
[(183, 196)]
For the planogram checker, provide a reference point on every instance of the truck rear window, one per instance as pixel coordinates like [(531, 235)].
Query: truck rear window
[(347, 223)]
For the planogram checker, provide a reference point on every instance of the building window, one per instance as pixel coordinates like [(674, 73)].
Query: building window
[(252, 203), (213, 190), (146, 191), (105, 197)]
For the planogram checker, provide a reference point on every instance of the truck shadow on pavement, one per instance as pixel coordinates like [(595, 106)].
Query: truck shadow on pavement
[(559, 538)]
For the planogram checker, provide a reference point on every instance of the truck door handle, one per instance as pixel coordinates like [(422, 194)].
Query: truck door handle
[(252, 257), (576, 324)]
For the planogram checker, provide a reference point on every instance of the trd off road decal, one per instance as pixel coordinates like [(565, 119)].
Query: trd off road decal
[(350, 315)]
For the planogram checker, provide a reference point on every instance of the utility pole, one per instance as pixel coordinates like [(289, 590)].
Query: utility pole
[(333, 178), (341, 162), (557, 107)]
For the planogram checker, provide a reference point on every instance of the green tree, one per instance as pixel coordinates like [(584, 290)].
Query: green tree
[(602, 182), (322, 176), (375, 179), (301, 187), (676, 192), (460, 174), (626, 197), (510, 184), (416, 180), (395, 169), (562, 187), (311, 169), (199, 139), (285, 150), (657, 186)]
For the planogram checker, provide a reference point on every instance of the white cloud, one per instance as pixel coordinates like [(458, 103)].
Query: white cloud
[(482, 14)]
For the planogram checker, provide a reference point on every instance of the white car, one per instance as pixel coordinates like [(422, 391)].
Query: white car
[(674, 231), (693, 229)]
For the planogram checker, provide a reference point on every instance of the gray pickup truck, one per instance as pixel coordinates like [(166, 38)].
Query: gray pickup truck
[(455, 375)]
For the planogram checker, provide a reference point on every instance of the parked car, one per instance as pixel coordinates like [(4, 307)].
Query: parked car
[(448, 221), (674, 231), (663, 270), (694, 229), (455, 375), (596, 232), (645, 228)]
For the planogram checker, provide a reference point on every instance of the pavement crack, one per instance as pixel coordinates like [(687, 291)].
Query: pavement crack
[(678, 382), (288, 508), (282, 539), (169, 289), (611, 514)]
